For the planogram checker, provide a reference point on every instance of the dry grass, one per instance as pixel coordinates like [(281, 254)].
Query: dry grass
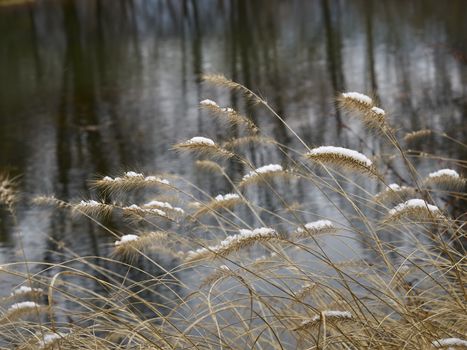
[(368, 270)]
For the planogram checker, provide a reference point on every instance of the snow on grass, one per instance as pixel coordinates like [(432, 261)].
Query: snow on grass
[(23, 305), (89, 203), (199, 140), (317, 227), (25, 290), (266, 169), (378, 111), (245, 237), (131, 176), (139, 210), (413, 204), (164, 205), (51, 338), (444, 172), (441, 343), (126, 239), (336, 314), (358, 97), (208, 102), (226, 197), (341, 151)]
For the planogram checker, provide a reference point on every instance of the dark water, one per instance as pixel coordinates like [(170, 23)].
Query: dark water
[(99, 86)]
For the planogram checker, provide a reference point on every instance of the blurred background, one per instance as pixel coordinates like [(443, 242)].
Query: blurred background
[(92, 87)]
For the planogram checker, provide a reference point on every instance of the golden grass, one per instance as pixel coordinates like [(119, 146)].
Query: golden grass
[(392, 276)]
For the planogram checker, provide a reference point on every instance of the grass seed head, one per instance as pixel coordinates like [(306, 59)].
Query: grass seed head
[(93, 208), (343, 158), (331, 316), (415, 209), (446, 179), (263, 173), (416, 135), (355, 102), (205, 146), (395, 193), (21, 309), (316, 228), (226, 201), (229, 114), (128, 181), (129, 246), (245, 238)]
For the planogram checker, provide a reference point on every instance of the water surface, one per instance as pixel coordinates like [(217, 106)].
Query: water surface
[(101, 86)]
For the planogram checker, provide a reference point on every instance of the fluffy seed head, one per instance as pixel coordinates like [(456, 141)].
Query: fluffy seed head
[(233, 243), (415, 135), (417, 208), (22, 308), (355, 102), (128, 246), (362, 107), (199, 140), (221, 80), (228, 114), (208, 102), (137, 212), (375, 118), (205, 146), (228, 200), (316, 228), (130, 180), (126, 239), (445, 179), (331, 316), (394, 193), (378, 111), (165, 206), (341, 157), (358, 97), (93, 208), (262, 173)]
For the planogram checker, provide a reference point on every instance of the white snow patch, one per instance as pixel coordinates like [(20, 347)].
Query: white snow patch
[(25, 290), (345, 152), (199, 140), (359, 97), (126, 239), (378, 111), (440, 343), (444, 172), (262, 232), (317, 225), (23, 305), (226, 197), (413, 203), (208, 102), (50, 338), (270, 168)]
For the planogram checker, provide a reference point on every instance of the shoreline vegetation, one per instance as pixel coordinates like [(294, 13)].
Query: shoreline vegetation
[(272, 285)]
